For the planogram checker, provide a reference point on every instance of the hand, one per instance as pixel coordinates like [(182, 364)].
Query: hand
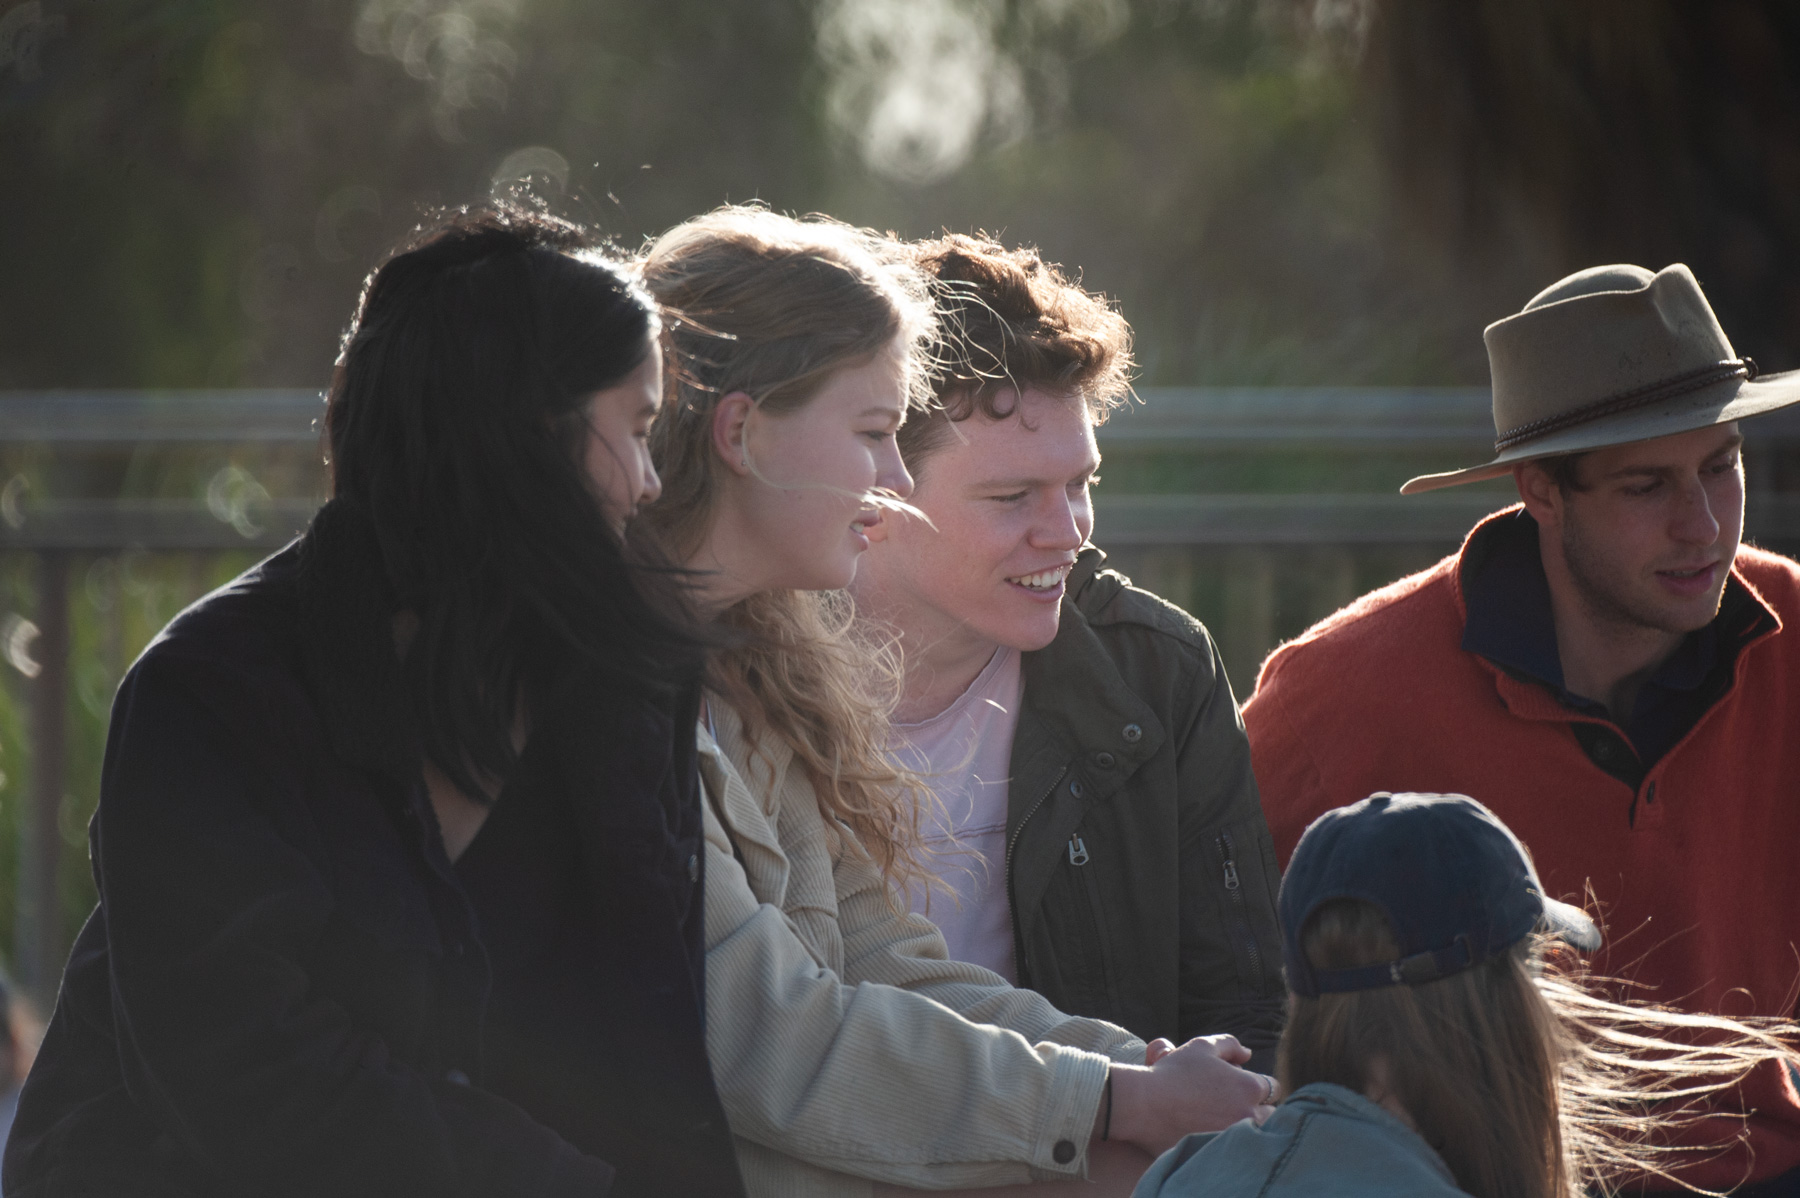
[(1197, 1087)]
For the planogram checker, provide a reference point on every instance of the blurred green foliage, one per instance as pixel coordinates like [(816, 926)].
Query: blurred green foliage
[(194, 188)]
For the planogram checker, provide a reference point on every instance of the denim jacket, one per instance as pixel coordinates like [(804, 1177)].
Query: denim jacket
[(1323, 1140)]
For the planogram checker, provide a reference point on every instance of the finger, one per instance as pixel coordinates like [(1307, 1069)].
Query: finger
[(1258, 1114), (1230, 1050), (1156, 1050)]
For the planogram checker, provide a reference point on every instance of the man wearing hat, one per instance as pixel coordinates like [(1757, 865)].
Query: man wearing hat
[(1604, 664)]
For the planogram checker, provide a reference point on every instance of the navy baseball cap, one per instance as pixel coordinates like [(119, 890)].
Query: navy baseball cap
[(1455, 884)]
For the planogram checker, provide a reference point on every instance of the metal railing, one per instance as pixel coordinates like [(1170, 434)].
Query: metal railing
[(1231, 553)]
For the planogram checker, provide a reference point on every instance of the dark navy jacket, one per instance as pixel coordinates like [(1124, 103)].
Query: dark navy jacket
[(285, 989)]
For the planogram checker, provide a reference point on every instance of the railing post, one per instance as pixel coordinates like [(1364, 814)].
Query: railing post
[(37, 932), (1249, 631)]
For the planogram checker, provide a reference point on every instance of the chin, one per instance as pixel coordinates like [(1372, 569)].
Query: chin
[(1030, 635), (834, 576)]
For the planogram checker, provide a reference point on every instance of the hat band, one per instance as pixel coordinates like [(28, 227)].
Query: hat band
[(1415, 970), (1638, 397)]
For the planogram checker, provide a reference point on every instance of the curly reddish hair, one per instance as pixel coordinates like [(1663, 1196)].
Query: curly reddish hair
[(1010, 322)]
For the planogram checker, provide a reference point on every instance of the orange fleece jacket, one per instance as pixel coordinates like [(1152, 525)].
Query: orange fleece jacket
[(1695, 876)]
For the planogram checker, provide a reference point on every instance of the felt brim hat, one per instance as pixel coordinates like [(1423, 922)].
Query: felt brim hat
[(1609, 356)]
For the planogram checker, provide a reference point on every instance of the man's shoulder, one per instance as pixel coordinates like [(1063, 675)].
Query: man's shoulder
[(1112, 599), (1404, 614), (1776, 578)]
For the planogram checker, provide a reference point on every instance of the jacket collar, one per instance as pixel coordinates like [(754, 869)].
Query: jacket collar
[(1745, 620), (1076, 704), (745, 784)]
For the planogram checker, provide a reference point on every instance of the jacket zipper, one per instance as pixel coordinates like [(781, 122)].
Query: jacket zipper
[(1023, 964), (1235, 888)]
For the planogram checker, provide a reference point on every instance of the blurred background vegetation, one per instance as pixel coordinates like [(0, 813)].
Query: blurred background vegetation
[(1276, 192)]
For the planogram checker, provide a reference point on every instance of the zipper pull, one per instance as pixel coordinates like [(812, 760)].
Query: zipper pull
[(1228, 858), (1078, 851)]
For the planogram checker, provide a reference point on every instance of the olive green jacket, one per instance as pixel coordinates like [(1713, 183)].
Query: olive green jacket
[(1138, 863)]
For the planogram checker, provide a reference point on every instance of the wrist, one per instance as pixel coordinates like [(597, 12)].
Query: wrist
[(1125, 1094)]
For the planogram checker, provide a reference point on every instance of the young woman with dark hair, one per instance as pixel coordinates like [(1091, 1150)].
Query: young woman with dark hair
[(399, 839)]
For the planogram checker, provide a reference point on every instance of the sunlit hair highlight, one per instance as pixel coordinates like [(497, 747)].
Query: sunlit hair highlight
[(773, 306), (1524, 1079), (1010, 322)]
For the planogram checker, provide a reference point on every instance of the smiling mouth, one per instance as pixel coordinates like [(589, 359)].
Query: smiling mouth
[(1691, 581), (1043, 580)]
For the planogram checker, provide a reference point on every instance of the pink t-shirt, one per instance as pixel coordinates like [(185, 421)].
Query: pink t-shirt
[(964, 753)]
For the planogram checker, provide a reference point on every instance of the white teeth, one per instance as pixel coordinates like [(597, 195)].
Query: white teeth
[(1043, 580)]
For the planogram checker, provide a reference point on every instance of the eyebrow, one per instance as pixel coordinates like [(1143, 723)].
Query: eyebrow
[(1013, 484), (884, 410)]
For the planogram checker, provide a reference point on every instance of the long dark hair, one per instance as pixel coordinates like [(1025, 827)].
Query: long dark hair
[(457, 423)]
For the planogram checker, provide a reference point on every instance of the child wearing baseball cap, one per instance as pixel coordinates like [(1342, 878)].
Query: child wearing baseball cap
[(1436, 1046)]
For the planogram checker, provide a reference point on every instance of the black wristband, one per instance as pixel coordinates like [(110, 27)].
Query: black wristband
[(1106, 1120)]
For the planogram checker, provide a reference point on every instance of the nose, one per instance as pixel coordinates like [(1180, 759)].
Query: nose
[(652, 483), (1063, 522), (890, 470), (1699, 516)]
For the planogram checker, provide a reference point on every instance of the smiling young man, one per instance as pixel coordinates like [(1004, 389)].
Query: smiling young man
[(1099, 823), (1605, 666)]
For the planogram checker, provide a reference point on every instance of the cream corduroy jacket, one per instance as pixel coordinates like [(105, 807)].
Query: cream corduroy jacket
[(847, 1048)]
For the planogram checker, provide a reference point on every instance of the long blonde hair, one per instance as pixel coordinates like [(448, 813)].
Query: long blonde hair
[(773, 306), (1527, 1082)]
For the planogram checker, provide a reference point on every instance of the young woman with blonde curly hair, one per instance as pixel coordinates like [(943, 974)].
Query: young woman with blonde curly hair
[(848, 1049)]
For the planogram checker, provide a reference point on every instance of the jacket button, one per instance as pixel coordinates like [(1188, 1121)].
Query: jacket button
[(693, 867), (1132, 734), (1063, 1153), (1075, 789), (1104, 760)]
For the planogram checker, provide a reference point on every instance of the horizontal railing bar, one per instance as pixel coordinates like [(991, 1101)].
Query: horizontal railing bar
[(105, 525), (1349, 419), (130, 417), (1357, 519), (1346, 418), (1354, 519)]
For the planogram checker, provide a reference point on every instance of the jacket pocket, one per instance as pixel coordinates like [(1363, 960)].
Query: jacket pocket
[(1071, 959), (1249, 955)]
